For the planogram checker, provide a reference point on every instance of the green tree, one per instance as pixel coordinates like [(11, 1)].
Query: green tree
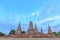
[(23, 31), (58, 34), (1, 34), (55, 33), (12, 32)]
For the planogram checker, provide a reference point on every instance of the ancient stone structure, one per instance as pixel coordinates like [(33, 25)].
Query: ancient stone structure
[(18, 32), (32, 32)]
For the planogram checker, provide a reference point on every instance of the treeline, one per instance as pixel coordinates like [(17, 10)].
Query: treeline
[(1, 34), (57, 33), (11, 32)]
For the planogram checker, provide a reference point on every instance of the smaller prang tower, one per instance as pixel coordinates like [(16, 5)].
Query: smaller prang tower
[(50, 33), (18, 32), (36, 30)]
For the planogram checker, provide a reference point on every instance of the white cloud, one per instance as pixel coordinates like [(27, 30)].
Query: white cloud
[(50, 19), (33, 13), (40, 22), (36, 13)]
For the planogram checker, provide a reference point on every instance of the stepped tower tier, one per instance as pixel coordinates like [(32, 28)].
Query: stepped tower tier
[(50, 33), (41, 31), (31, 29), (36, 30), (49, 30), (18, 31)]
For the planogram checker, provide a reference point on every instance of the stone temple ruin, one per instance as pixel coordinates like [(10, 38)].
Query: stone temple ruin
[(32, 32)]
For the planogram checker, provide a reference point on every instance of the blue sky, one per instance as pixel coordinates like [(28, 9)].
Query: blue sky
[(41, 12)]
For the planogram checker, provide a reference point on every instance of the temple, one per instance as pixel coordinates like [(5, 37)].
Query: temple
[(32, 32)]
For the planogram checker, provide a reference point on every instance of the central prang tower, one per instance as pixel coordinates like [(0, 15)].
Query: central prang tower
[(31, 29)]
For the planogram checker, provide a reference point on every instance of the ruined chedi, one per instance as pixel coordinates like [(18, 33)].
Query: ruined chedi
[(32, 32)]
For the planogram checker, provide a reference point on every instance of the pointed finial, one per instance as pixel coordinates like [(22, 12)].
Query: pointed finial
[(31, 24), (41, 30), (19, 28), (49, 29), (36, 28)]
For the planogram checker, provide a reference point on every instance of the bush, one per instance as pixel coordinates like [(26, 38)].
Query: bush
[(1, 34), (12, 32)]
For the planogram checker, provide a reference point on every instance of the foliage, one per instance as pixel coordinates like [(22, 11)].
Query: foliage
[(58, 34), (12, 32), (1, 34), (55, 33), (23, 31)]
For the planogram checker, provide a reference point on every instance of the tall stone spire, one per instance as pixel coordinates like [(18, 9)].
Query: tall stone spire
[(49, 30), (19, 28), (31, 24), (41, 31), (36, 30), (31, 29)]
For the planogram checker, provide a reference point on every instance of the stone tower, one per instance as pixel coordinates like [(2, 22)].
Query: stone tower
[(36, 30), (18, 32), (31, 29), (49, 30), (19, 29), (41, 31), (50, 34)]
